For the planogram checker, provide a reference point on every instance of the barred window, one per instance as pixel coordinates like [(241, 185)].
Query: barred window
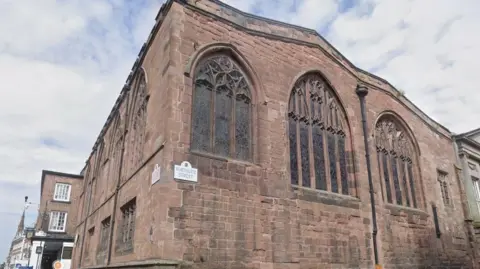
[(318, 141), (58, 221), (442, 180), (396, 162), (62, 192), (221, 121)]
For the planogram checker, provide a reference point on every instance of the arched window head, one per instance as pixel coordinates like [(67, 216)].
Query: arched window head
[(138, 120), (221, 114), (318, 137), (396, 158)]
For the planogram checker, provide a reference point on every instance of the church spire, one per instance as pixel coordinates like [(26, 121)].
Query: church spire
[(21, 224)]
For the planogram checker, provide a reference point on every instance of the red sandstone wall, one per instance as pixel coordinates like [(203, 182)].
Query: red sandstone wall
[(246, 215)]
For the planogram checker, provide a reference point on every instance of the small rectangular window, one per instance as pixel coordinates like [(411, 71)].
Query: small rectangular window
[(62, 192), (58, 221), (67, 253), (442, 179)]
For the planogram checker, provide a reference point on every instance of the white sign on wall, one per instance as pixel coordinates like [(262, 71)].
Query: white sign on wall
[(185, 171), (156, 174)]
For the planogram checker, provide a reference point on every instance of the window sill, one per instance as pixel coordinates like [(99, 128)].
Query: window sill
[(325, 197), (57, 232), (397, 210), (61, 201), (220, 158), (124, 250)]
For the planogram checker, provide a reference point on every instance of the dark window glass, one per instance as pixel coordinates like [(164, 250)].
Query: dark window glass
[(333, 161), (396, 183), (320, 180), (304, 149), (314, 112), (392, 140), (67, 253), (292, 129), (343, 164), (404, 180), (221, 109), (223, 105), (412, 186), (386, 176), (242, 129), (201, 117)]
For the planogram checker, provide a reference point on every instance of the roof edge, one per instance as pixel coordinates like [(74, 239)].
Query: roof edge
[(335, 50)]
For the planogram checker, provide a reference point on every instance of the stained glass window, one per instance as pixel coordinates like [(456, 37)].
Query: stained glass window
[(317, 138), (221, 122), (395, 149)]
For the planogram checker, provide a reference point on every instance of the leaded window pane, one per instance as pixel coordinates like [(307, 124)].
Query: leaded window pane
[(320, 180), (242, 129), (304, 150), (386, 176), (412, 184), (343, 164), (223, 106), (396, 183), (332, 161), (292, 137), (404, 180), (201, 125)]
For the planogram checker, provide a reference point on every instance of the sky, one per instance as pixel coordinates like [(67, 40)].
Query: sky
[(64, 62)]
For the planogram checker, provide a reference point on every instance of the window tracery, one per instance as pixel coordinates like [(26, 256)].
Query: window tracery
[(138, 121), (221, 113), (395, 159), (317, 137)]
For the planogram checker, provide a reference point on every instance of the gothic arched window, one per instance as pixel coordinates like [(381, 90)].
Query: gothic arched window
[(221, 113), (138, 120), (318, 137), (396, 159)]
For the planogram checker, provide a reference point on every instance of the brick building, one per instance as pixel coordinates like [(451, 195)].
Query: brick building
[(292, 144), (56, 222)]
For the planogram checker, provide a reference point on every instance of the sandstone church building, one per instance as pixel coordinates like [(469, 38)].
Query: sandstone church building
[(293, 144)]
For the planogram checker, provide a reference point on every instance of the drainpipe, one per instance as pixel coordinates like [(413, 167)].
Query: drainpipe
[(119, 180), (362, 92)]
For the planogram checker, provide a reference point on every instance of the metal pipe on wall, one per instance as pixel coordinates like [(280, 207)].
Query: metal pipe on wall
[(362, 92)]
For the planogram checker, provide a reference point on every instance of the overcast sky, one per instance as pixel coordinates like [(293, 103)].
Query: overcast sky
[(63, 64)]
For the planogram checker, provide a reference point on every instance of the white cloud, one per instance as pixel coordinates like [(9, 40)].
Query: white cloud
[(63, 64)]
